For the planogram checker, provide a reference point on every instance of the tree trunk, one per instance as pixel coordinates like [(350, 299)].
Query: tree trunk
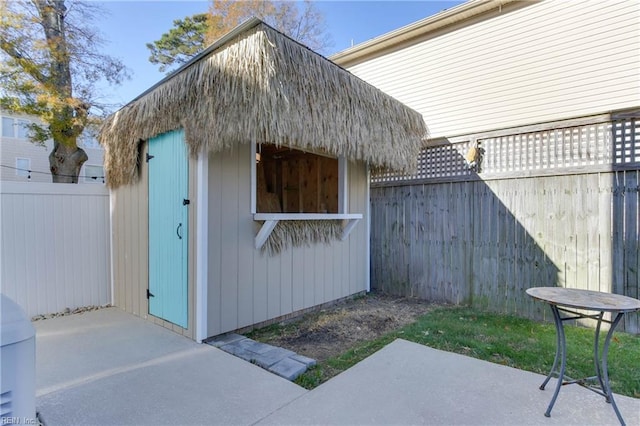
[(66, 159), (65, 163)]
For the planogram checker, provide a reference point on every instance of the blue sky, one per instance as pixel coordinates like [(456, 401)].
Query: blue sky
[(130, 24)]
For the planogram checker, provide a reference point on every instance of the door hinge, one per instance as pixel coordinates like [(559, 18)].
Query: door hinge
[(149, 157), (185, 202), (149, 294)]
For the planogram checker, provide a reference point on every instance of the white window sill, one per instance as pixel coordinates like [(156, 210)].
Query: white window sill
[(272, 219)]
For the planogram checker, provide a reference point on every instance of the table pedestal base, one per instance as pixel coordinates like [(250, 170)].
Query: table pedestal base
[(601, 378)]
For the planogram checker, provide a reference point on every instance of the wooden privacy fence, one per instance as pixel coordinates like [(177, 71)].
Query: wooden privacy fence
[(55, 251), (554, 205)]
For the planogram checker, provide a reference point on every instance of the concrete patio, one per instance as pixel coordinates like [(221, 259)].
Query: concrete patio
[(107, 367)]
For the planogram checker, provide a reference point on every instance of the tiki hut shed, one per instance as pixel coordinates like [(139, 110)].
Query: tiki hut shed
[(240, 184)]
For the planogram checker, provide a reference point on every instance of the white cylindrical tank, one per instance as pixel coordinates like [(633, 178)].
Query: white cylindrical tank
[(17, 365)]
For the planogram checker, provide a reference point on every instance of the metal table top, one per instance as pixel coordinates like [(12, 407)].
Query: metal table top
[(585, 299)]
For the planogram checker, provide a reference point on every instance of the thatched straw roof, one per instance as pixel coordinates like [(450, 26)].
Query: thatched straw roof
[(258, 85)]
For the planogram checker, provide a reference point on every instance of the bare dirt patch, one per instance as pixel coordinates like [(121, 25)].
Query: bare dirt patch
[(333, 331)]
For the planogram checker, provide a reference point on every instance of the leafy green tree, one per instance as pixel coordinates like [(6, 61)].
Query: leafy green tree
[(181, 43), (191, 35), (50, 68)]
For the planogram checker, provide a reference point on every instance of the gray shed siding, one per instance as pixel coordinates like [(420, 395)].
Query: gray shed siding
[(246, 287)]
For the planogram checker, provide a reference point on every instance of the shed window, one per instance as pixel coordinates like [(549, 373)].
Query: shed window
[(289, 184), (293, 181)]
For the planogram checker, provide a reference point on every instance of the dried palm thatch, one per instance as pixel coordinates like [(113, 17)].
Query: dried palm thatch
[(298, 233), (257, 84)]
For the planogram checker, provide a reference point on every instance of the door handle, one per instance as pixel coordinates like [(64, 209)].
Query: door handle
[(178, 229)]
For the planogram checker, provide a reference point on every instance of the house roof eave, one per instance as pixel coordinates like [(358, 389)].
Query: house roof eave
[(447, 17)]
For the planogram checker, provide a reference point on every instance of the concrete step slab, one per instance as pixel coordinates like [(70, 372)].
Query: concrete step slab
[(280, 361), (288, 368)]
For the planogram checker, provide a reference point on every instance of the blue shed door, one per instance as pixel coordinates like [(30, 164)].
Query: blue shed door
[(168, 227)]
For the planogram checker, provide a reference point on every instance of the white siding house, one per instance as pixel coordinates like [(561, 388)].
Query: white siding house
[(488, 65), (24, 161)]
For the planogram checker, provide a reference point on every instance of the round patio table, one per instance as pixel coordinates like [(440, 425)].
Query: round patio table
[(560, 299)]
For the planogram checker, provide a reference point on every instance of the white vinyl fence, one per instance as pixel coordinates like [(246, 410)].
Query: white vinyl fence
[(55, 249)]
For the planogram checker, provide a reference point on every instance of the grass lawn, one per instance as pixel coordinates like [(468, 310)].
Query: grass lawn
[(502, 339)]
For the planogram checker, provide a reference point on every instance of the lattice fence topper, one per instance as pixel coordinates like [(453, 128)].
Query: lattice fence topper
[(604, 143)]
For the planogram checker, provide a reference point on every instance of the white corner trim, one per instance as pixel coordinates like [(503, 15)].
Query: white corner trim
[(367, 272), (254, 182), (202, 246), (112, 206), (343, 185)]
